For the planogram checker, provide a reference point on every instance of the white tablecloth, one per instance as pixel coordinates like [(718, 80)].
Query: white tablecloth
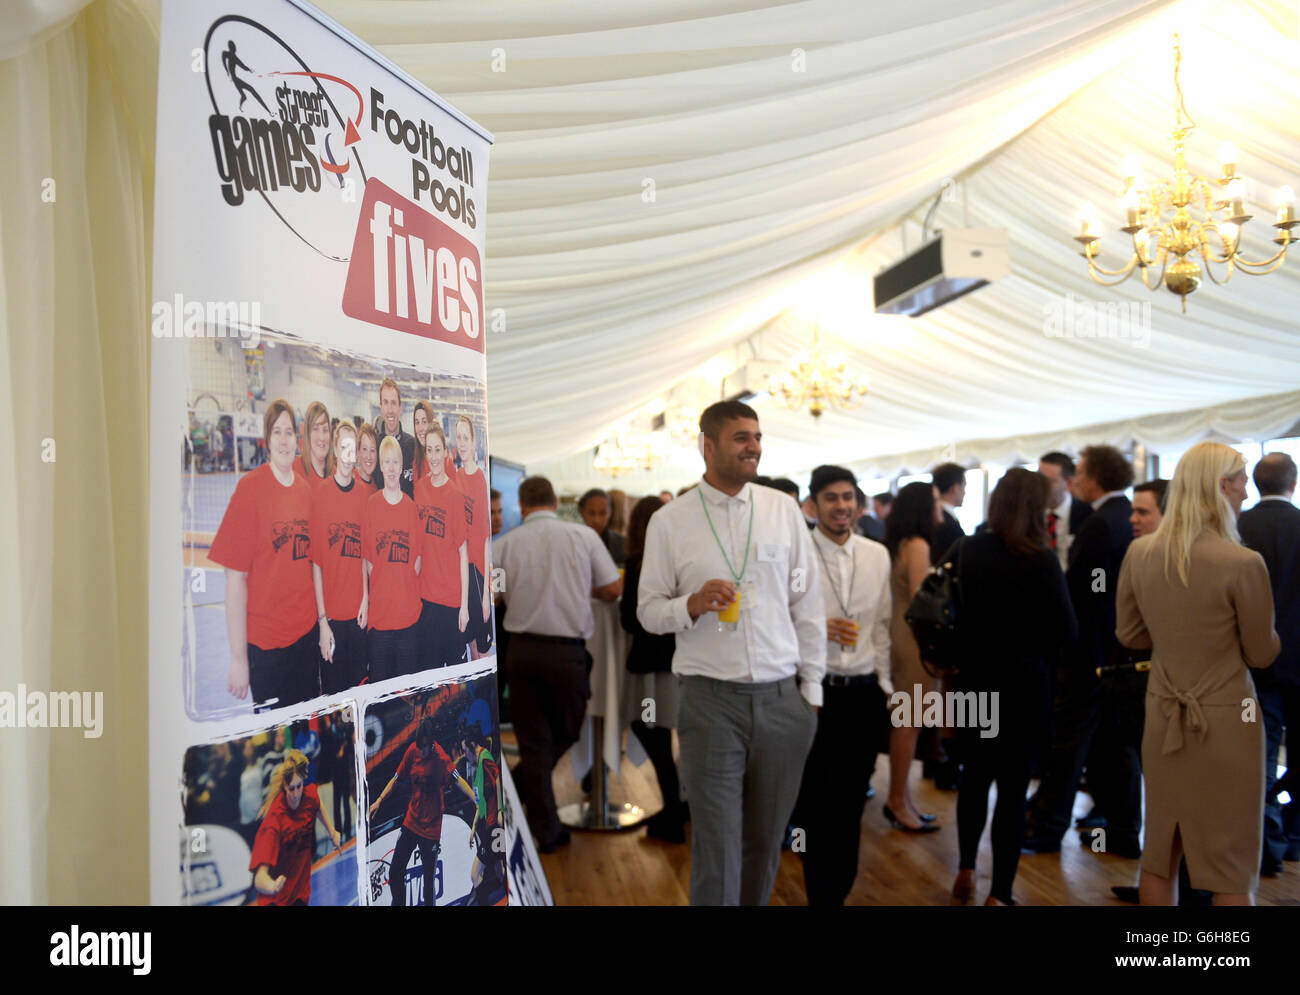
[(608, 648)]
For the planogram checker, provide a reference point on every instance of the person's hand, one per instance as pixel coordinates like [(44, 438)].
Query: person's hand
[(326, 641), (462, 619), (363, 612), (237, 678), (374, 807), (278, 884), (842, 630), (487, 606), (714, 596), (334, 835)]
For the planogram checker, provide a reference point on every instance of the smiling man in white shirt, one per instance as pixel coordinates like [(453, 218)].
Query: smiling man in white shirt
[(749, 686), (854, 716)]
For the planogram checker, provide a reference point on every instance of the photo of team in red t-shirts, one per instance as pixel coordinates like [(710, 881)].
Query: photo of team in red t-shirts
[(356, 553)]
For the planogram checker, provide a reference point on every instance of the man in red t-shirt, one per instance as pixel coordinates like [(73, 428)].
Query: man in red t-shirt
[(429, 770), (264, 542), (342, 591), (444, 564)]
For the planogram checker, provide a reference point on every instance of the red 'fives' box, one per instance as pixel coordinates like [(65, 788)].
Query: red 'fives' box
[(410, 271)]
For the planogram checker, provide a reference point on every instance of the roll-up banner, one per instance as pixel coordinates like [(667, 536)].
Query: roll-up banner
[(323, 692)]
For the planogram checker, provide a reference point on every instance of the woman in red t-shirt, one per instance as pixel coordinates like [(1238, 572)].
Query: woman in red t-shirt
[(368, 459), (429, 769), (338, 572), (388, 537), (444, 562), (285, 845), (473, 484), (314, 464), (264, 542)]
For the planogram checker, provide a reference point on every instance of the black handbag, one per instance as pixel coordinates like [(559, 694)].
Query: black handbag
[(933, 615)]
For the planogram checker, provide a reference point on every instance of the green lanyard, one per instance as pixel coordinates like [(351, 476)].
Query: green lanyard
[(744, 563)]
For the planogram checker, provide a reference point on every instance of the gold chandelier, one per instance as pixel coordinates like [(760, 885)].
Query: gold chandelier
[(817, 381), (631, 451), (1183, 236)]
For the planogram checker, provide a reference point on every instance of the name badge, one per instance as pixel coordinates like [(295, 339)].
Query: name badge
[(771, 552), (748, 595)]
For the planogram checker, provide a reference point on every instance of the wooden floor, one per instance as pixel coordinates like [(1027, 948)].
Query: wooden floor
[(894, 868)]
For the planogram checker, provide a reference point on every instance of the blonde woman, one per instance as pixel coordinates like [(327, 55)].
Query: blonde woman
[(471, 480), (314, 466), (1201, 602), (285, 845), (368, 458), (264, 543), (338, 573), (389, 544)]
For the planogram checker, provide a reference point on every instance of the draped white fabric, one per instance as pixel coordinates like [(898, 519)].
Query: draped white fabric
[(764, 174)]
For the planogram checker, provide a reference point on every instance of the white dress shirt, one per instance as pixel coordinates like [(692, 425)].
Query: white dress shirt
[(855, 584), (1106, 497), (782, 632), (550, 568)]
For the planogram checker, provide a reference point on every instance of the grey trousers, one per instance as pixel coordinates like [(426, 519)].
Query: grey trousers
[(743, 748)]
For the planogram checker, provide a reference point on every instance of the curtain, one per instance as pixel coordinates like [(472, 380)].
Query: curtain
[(77, 107)]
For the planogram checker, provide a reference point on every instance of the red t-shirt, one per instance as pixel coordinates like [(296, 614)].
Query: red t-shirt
[(478, 513), (441, 514), (310, 477), (265, 533), (388, 534), (429, 776), (375, 483), (286, 841), (336, 517)]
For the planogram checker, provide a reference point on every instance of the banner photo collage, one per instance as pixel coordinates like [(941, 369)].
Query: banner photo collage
[(323, 702)]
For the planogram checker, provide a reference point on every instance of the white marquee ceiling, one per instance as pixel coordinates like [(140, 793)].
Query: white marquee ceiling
[(764, 176), (790, 141)]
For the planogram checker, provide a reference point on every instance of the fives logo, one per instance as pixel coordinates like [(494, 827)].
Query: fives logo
[(411, 272)]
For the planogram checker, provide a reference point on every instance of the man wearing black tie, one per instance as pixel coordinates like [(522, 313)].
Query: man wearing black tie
[(1065, 516), (950, 480), (1272, 529), (1093, 575)]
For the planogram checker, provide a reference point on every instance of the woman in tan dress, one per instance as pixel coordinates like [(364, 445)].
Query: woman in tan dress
[(909, 529), (1201, 602)]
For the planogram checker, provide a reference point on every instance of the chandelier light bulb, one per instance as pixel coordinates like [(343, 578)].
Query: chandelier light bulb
[(1131, 166), (1285, 197), (1228, 155), (1237, 191), (1230, 232)]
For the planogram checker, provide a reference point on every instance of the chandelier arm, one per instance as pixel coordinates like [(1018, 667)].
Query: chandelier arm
[(1209, 269), (1254, 267), (1094, 267)]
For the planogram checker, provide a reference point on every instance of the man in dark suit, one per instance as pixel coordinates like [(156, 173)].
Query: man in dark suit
[(1272, 529), (950, 480), (1065, 516), (1093, 575), (868, 525)]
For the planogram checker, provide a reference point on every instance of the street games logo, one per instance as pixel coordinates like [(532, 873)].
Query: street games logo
[(283, 132)]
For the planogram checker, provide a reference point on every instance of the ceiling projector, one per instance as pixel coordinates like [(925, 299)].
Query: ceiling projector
[(947, 267)]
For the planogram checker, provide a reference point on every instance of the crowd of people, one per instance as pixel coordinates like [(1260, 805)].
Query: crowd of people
[(356, 552), (1124, 643)]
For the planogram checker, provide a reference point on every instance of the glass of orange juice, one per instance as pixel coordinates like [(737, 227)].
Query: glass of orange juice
[(850, 638), (729, 617)]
